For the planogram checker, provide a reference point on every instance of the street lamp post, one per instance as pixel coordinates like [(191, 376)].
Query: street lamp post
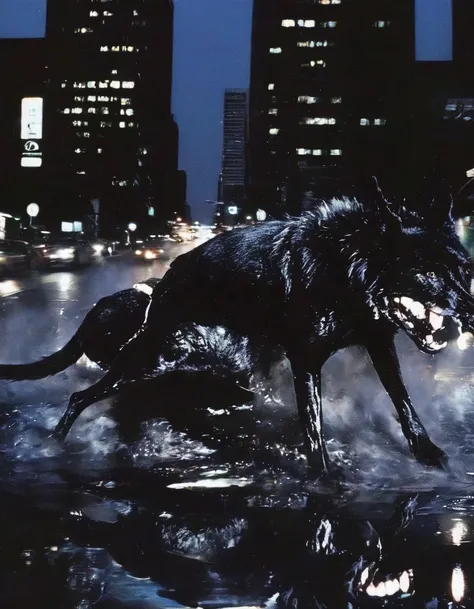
[(32, 210)]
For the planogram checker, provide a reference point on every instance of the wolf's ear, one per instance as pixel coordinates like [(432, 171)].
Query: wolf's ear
[(384, 209)]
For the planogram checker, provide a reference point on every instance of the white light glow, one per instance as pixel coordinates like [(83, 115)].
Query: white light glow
[(457, 584)]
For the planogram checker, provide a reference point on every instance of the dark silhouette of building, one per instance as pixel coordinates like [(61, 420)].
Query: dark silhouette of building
[(330, 89), (232, 177), (113, 137), (23, 166)]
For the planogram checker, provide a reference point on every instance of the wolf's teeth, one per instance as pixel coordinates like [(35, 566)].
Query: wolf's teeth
[(406, 302), (436, 321), (429, 339)]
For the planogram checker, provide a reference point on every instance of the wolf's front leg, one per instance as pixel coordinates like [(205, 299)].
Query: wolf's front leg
[(308, 399), (384, 357)]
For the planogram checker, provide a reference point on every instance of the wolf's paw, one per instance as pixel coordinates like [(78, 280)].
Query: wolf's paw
[(429, 454)]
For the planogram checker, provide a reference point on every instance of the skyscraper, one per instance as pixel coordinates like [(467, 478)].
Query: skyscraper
[(232, 177), (114, 138), (328, 96)]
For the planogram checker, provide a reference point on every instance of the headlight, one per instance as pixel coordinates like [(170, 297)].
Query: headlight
[(65, 253), (138, 252), (2, 259), (98, 247), (150, 255)]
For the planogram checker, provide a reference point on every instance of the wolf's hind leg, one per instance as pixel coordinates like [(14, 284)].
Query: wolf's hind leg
[(386, 364)]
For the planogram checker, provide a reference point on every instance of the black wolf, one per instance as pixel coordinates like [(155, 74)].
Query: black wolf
[(343, 274)]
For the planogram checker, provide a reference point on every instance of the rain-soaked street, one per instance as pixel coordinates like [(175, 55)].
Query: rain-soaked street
[(223, 513)]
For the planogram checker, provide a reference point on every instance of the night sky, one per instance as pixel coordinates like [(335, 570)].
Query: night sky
[(212, 52)]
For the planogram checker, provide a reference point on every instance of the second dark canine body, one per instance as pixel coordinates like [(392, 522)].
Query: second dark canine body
[(345, 274)]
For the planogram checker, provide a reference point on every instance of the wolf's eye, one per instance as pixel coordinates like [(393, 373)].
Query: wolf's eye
[(431, 275)]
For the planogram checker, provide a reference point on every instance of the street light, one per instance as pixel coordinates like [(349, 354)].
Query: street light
[(32, 210), (132, 227)]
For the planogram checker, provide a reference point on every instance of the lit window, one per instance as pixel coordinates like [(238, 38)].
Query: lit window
[(103, 98), (336, 100), (66, 110), (115, 49), (303, 151), (335, 152), (379, 121), (317, 152), (307, 99), (79, 150), (104, 110), (104, 49), (99, 150), (92, 110), (318, 121), (135, 13), (122, 125), (129, 112), (94, 14), (124, 48), (63, 85), (320, 63), (364, 122), (91, 84), (81, 173), (105, 124), (83, 30), (128, 84), (288, 23), (131, 125), (271, 86), (115, 84), (76, 111), (125, 101), (114, 72), (273, 131), (85, 134), (328, 24), (103, 84), (107, 14), (381, 23), (78, 98), (329, 1), (273, 111), (79, 85), (309, 23), (275, 50), (129, 49)]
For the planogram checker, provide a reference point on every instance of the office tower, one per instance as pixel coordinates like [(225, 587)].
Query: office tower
[(232, 176), (328, 97), (113, 138)]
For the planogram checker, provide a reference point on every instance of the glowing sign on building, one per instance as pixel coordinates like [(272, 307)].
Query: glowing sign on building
[(31, 131)]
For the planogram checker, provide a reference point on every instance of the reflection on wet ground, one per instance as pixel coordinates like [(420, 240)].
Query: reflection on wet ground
[(210, 505)]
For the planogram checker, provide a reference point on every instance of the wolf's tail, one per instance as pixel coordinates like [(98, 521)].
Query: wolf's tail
[(47, 366)]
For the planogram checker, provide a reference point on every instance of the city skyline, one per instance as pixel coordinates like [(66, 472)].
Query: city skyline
[(212, 52)]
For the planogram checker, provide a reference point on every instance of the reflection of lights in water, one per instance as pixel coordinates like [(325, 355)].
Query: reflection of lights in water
[(458, 532), (65, 282), (212, 483), (457, 584)]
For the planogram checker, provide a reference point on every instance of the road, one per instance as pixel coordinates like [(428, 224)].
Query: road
[(45, 308)]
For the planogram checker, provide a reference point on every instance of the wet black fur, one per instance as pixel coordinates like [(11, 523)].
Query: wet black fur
[(308, 287)]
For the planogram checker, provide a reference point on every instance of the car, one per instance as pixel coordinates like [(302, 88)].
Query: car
[(17, 257), (149, 250), (67, 252)]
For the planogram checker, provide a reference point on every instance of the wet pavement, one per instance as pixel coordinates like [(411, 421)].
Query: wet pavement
[(172, 521)]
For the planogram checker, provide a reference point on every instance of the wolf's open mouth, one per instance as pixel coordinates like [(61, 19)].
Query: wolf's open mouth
[(427, 323)]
